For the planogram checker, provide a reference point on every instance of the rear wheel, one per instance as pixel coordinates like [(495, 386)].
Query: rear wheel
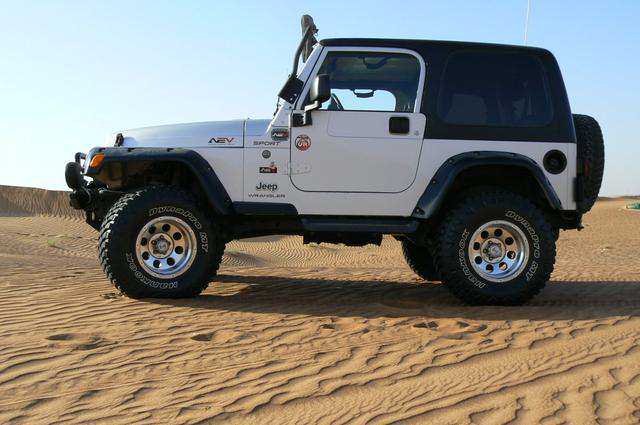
[(495, 248), (156, 243), (419, 260)]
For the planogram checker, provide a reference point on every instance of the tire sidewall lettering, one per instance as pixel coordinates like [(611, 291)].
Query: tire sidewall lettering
[(142, 277), (203, 242), (189, 216), (534, 241), (532, 270), (178, 211), (462, 259)]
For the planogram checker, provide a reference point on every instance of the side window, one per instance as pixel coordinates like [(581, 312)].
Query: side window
[(371, 81), (494, 89)]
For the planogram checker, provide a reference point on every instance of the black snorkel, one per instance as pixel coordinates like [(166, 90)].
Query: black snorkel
[(293, 86)]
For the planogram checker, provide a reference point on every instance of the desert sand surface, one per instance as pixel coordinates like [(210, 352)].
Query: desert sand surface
[(293, 333)]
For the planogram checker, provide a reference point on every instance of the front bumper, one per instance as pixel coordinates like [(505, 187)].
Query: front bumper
[(93, 197), (80, 197)]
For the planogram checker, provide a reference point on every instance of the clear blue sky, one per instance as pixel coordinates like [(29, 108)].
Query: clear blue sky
[(71, 72)]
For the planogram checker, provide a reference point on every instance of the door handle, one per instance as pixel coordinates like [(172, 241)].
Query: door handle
[(399, 125)]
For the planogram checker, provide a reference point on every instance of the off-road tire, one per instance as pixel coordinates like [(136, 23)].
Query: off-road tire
[(591, 159), (452, 241), (118, 235), (419, 260)]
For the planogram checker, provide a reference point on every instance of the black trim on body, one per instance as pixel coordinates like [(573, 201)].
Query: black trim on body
[(438, 188), (384, 225), (264, 208), (209, 182)]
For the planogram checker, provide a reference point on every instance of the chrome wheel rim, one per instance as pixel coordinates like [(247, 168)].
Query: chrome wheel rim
[(166, 247), (498, 251)]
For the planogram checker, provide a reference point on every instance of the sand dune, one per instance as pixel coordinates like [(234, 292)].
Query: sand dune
[(26, 201), (294, 333)]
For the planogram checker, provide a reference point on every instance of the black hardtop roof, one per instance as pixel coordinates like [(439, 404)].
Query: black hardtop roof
[(418, 44), (437, 54)]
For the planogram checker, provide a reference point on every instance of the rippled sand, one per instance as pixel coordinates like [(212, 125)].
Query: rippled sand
[(295, 333)]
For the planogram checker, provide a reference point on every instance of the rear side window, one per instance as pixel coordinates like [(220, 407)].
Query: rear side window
[(494, 89)]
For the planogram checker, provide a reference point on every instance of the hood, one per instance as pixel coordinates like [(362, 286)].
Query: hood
[(197, 134)]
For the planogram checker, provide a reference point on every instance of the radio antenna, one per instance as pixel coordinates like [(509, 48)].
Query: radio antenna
[(526, 22)]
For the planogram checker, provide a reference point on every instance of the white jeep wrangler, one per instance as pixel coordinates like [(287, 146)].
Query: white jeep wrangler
[(467, 153)]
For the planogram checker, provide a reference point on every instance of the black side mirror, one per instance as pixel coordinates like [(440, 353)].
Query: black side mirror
[(320, 90)]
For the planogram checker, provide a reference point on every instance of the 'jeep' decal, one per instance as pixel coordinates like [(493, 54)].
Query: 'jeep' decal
[(272, 187)]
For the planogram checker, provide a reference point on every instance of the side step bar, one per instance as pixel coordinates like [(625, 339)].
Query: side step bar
[(368, 225)]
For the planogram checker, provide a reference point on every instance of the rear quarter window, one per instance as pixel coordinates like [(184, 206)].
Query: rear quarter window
[(494, 89)]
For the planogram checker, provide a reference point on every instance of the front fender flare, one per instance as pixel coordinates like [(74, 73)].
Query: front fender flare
[(209, 182), (438, 187)]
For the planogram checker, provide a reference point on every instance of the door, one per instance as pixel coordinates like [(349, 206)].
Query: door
[(368, 136)]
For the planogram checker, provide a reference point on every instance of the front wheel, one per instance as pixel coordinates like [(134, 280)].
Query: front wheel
[(495, 247), (155, 242)]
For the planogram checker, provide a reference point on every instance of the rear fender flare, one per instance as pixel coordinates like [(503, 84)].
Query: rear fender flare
[(437, 189)]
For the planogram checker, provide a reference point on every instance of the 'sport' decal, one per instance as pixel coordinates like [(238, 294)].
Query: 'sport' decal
[(267, 143)]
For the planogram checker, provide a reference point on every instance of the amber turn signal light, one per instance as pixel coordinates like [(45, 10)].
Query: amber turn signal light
[(96, 160)]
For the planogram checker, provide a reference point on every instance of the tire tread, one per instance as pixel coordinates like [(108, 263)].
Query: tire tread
[(447, 239), (419, 260), (591, 152), (117, 217)]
